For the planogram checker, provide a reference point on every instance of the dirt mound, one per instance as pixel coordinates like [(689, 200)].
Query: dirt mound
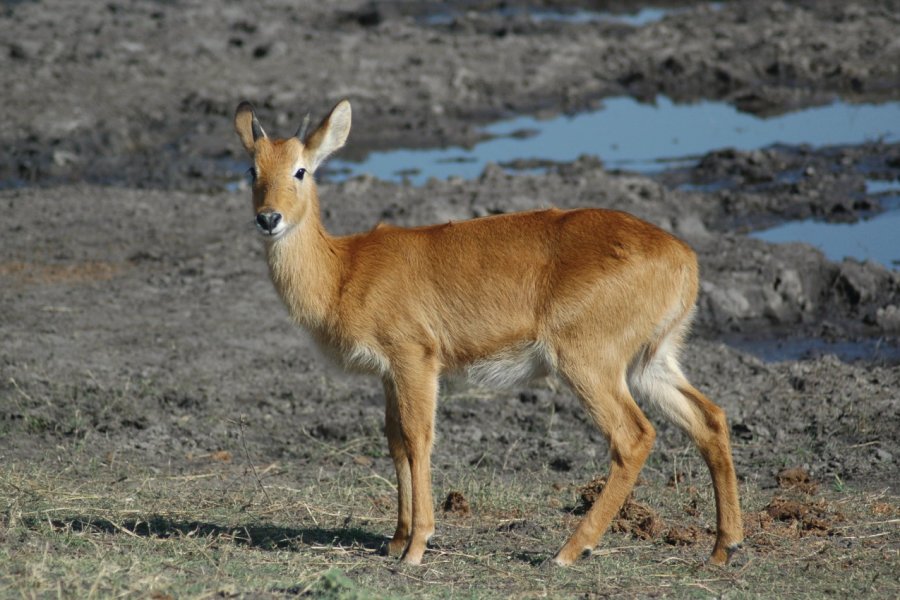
[(796, 478), (634, 518), (683, 536), (456, 504), (808, 518)]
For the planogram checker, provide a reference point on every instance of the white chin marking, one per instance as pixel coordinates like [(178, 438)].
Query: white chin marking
[(276, 233)]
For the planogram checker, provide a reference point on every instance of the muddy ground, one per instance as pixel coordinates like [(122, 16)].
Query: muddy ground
[(136, 314)]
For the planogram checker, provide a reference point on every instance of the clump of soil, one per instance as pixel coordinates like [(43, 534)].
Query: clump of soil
[(221, 456), (692, 507), (457, 504), (589, 493), (635, 518), (796, 478), (682, 536), (523, 528), (885, 508), (812, 518), (639, 520), (363, 461), (675, 480)]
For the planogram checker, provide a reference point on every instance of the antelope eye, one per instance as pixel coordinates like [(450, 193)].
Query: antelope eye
[(252, 173), (300, 173)]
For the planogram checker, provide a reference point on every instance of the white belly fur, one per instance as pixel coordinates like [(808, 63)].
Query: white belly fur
[(512, 367)]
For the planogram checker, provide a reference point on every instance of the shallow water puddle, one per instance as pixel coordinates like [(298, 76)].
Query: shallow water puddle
[(646, 138), (803, 348), (638, 18), (627, 134), (876, 238)]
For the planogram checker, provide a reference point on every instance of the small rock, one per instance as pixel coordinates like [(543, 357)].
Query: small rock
[(62, 158), (761, 431), (888, 318), (132, 46), (528, 397), (789, 285), (741, 431), (364, 461), (561, 463), (883, 455), (776, 308), (857, 283), (25, 49), (492, 172), (691, 226), (474, 434), (726, 304)]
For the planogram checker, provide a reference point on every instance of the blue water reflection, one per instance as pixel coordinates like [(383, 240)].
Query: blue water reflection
[(630, 135), (638, 18), (876, 238), (635, 19), (642, 137)]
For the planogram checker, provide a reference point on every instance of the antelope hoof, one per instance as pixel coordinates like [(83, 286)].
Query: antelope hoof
[(565, 559), (412, 558), (395, 547), (721, 555), (559, 561)]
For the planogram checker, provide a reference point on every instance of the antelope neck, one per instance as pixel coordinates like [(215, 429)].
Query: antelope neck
[(305, 265)]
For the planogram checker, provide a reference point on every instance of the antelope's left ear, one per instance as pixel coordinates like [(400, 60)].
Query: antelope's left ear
[(247, 127), (329, 137)]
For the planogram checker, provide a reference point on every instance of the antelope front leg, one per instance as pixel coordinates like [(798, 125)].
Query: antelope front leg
[(416, 398), (401, 464)]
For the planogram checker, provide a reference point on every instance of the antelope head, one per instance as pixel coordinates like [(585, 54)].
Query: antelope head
[(284, 189)]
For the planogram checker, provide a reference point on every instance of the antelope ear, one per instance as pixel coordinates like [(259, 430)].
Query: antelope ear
[(329, 136), (247, 127)]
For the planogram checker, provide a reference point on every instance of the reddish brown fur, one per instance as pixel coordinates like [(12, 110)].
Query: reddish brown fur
[(600, 296)]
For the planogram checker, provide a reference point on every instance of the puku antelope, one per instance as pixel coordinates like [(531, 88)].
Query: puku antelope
[(598, 297)]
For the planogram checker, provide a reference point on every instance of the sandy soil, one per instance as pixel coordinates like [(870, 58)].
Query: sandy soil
[(135, 308)]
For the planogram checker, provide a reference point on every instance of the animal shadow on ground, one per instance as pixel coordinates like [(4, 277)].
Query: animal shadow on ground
[(264, 537)]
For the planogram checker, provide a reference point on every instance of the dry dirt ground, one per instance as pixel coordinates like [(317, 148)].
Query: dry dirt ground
[(153, 389)]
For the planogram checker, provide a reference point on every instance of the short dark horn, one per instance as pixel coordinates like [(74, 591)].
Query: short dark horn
[(258, 131), (301, 132)]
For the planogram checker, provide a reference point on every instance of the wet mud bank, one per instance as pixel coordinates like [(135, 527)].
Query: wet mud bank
[(141, 94)]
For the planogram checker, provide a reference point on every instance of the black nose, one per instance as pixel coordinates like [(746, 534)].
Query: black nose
[(268, 220)]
